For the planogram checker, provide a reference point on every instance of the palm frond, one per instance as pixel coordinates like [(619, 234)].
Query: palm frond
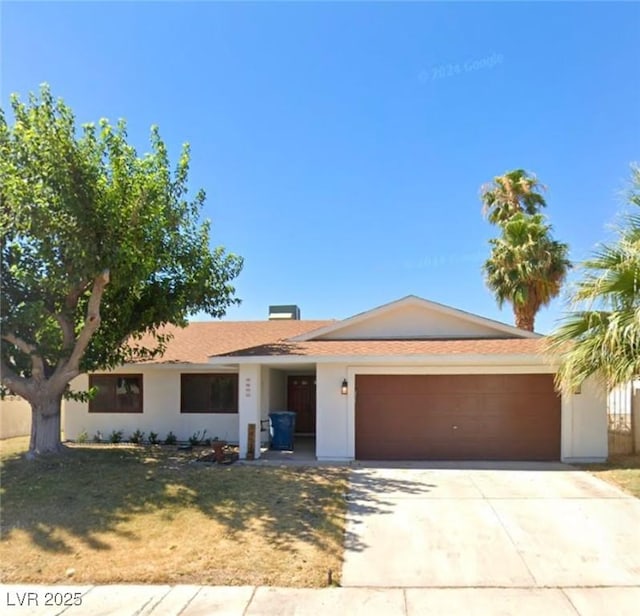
[(602, 336), (511, 193), (526, 266)]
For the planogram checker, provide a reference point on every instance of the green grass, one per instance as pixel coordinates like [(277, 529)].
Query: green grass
[(115, 514), (623, 471)]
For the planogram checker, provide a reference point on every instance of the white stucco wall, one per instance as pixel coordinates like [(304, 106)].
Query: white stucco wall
[(272, 396), (334, 438), (276, 400), (265, 397), (250, 400), (263, 389), (583, 422), (412, 322), (161, 410), (277, 391)]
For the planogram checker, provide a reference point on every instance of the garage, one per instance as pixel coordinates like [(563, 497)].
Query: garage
[(457, 417)]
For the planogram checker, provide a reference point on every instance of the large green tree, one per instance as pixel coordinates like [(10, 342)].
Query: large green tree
[(526, 267), (511, 193), (602, 335), (99, 245)]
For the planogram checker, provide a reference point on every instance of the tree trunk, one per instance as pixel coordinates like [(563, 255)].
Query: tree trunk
[(525, 319), (45, 425)]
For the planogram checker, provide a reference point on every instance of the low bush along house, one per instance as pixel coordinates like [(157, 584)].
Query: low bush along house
[(410, 380)]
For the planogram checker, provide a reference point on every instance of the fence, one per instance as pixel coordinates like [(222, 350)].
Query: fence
[(15, 417), (623, 418)]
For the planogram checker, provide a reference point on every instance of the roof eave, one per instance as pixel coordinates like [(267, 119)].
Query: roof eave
[(466, 359)]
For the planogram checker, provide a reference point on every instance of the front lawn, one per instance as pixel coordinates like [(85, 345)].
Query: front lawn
[(624, 471), (114, 514)]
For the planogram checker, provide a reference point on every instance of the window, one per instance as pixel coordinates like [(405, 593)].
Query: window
[(116, 393), (209, 393)]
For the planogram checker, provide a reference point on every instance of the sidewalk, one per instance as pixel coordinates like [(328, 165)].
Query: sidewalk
[(135, 600)]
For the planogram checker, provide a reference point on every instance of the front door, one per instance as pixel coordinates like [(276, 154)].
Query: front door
[(301, 399)]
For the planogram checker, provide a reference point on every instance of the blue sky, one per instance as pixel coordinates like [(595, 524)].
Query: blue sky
[(342, 145)]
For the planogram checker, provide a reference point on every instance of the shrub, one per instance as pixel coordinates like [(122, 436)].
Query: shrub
[(196, 439), (171, 439), (115, 436), (137, 437), (83, 437), (153, 438)]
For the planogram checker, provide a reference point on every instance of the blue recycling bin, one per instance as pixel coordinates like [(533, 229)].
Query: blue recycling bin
[(282, 425)]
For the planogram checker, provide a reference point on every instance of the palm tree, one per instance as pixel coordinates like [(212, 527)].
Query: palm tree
[(515, 191), (603, 338), (527, 266)]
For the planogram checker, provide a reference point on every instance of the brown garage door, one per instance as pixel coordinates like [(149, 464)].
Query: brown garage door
[(457, 417)]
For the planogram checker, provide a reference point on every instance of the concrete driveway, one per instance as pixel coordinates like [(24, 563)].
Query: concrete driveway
[(521, 526)]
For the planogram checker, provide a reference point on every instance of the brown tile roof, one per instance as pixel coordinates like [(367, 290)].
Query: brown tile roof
[(196, 342), (374, 348), (199, 341)]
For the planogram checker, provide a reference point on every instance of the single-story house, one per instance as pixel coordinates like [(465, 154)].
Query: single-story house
[(409, 380)]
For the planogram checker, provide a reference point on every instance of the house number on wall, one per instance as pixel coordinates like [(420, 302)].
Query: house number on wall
[(247, 387)]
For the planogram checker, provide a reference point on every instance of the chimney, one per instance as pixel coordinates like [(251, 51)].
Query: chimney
[(279, 313)]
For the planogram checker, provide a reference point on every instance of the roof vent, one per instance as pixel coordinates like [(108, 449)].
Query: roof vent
[(279, 313)]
